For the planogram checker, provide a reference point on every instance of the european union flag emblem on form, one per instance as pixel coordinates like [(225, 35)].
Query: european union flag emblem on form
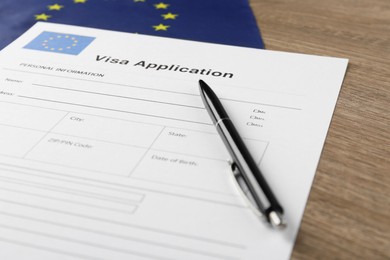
[(60, 43)]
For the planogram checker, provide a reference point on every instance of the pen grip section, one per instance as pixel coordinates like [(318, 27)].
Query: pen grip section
[(243, 160)]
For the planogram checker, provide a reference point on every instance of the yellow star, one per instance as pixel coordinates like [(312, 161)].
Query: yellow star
[(56, 7), (161, 27), (161, 6), (42, 16), (169, 16), (79, 1)]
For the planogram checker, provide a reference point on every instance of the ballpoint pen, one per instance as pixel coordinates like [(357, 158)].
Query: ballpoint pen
[(246, 173)]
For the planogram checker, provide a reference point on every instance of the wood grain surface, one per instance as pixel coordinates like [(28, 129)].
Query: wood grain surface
[(348, 212)]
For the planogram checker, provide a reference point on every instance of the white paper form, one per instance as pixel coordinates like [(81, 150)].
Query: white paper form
[(106, 150)]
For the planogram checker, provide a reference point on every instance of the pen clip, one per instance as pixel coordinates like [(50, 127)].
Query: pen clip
[(244, 190)]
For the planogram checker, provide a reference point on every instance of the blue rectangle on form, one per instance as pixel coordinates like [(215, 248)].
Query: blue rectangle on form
[(60, 43)]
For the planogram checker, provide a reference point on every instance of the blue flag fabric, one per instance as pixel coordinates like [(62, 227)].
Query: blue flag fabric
[(217, 21)]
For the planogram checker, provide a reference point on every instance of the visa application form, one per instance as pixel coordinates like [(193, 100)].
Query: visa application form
[(107, 152)]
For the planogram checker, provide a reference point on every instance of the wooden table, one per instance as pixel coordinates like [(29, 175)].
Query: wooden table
[(348, 212)]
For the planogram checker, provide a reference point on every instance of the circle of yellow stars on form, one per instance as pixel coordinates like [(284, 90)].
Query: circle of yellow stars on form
[(46, 43)]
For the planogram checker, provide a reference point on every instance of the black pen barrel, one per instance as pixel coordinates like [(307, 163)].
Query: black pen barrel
[(262, 194)]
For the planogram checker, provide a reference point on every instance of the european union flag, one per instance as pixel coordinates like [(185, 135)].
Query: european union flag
[(60, 43), (217, 21)]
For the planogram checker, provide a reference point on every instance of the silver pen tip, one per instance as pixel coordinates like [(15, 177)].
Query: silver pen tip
[(277, 220)]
